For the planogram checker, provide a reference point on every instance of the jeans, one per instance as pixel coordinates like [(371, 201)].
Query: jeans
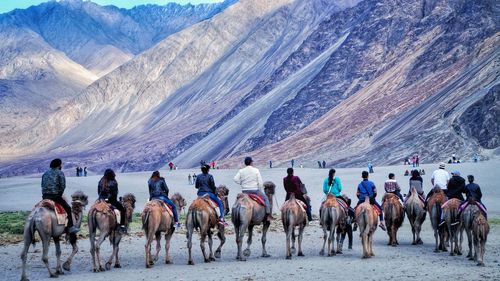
[(171, 204), (216, 199), (261, 194), (59, 200)]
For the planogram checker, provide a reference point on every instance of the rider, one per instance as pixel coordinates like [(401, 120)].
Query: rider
[(439, 179), (392, 186), (366, 188), (107, 189), (250, 180), (53, 185), (158, 189), (206, 185), (473, 194), (455, 188), (332, 184), (416, 182), (292, 184)]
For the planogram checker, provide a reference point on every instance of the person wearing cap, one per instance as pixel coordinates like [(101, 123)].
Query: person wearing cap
[(456, 186), (250, 180), (439, 179), (206, 185)]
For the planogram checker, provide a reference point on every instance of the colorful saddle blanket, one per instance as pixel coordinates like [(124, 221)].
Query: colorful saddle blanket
[(61, 215)]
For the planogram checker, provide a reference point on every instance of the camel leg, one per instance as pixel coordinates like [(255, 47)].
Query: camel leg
[(331, 241), (67, 263), (158, 246), (364, 242), (436, 249), (24, 256), (301, 235), (102, 236), (45, 256), (370, 244), (469, 241), (340, 240), (222, 239), (117, 259), (190, 245), (93, 250), (57, 243), (147, 251), (247, 251), (288, 237), (113, 254), (293, 239), (481, 253), (322, 252), (265, 227), (210, 244), (240, 233), (202, 245), (168, 236), (349, 236)]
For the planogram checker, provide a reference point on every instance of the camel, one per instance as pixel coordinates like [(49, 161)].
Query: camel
[(480, 230), (43, 220), (367, 220), (466, 219), (222, 193), (245, 214), (203, 217), (331, 216), (450, 215), (102, 217), (394, 216), (179, 202), (155, 220), (434, 204), (416, 215), (292, 215)]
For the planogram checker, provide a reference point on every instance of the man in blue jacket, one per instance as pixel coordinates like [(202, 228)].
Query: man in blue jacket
[(366, 188)]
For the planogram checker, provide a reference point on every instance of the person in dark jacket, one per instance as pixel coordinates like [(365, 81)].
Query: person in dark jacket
[(456, 186), (158, 189), (292, 184), (107, 189), (206, 185), (473, 195), (366, 188), (53, 186)]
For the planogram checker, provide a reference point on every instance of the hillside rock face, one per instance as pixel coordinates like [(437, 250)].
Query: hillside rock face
[(340, 81)]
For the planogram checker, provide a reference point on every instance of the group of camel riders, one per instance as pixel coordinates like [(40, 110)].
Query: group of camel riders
[(249, 178)]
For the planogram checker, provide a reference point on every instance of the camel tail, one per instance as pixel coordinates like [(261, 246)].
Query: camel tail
[(366, 219), (92, 221), (31, 231), (194, 217), (145, 221), (235, 217)]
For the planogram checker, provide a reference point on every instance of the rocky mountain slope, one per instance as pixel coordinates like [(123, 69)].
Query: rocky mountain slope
[(341, 81)]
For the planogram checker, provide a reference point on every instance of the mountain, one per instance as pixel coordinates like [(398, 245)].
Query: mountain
[(341, 81)]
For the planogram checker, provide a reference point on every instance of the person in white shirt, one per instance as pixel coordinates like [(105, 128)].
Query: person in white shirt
[(439, 178), (250, 180)]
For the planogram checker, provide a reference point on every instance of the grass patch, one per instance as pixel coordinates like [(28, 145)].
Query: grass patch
[(12, 226), (494, 221)]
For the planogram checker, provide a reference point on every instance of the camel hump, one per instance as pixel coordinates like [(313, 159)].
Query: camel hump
[(331, 201), (451, 204), (367, 200)]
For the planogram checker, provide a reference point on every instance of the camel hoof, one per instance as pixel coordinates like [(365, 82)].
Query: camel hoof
[(168, 262), (300, 254), (266, 255), (471, 258), (117, 265), (217, 255), (366, 257), (339, 252), (293, 250), (480, 264), (52, 275), (190, 263), (24, 279), (436, 251), (246, 252), (101, 268), (288, 257), (212, 259), (107, 266), (207, 260), (459, 253), (420, 242), (67, 266), (350, 248), (322, 252), (414, 243), (60, 272), (149, 265), (394, 245)]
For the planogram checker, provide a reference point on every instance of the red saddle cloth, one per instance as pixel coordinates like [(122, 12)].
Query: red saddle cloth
[(257, 199), (377, 210), (62, 217), (343, 204)]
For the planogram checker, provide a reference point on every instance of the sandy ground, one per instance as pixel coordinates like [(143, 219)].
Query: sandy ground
[(405, 262)]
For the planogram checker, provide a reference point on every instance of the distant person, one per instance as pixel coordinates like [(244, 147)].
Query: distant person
[(319, 164), (366, 188), (406, 161), (324, 164), (406, 173), (292, 185), (85, 171), (189, 179), (475, 158), (392, 186), (292, 162), (417, 161), (473, 195), (194, 178), (370, 168), (439, 179), (250, 180), (270, 164), (107, 189), (171, 166), (53, 186), (212, 164), (332, 184), (158, 189), (423, 172), (453, 158), (205, 184), (77, 171)]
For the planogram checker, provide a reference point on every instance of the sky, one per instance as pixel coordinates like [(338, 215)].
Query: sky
[(9, 5)]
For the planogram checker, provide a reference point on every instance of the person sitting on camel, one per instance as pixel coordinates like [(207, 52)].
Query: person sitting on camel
[(205, 184), (392, 186), (366, 188), (473, 194), (107, 189), (292, 185), (158, 189)]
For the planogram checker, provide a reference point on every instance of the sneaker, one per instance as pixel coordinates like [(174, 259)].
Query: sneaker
[(441, 223), (223, 222), (177, 225), (73, 230), (455, 223), (355, 227), (122, 229), (382, 226), (270, 217)]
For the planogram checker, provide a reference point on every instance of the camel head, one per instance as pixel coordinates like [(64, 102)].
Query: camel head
[(128, 201), (222, 193), (269, 188), (179, 200)]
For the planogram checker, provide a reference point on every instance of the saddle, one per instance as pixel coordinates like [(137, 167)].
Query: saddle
[(213, 204), (481, 207), (452, 203), (257, 199), (331, 201), (164, 206), (61, 215), (103, 206), (301, 204)]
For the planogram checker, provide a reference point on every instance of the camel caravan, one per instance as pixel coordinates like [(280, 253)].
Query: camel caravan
[(109, 217)]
